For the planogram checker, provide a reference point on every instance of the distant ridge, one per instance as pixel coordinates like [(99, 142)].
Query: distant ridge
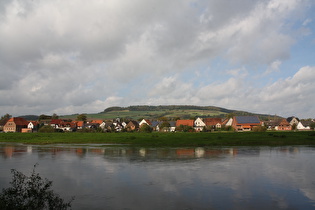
[(173, 111), (166, 107)]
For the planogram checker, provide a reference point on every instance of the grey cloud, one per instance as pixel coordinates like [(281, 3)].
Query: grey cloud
[(58, 55)]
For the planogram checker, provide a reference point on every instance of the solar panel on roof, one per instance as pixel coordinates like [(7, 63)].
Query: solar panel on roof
[(247, 119)]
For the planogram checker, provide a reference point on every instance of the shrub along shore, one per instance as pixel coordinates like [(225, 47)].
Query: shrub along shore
[(166, 139)]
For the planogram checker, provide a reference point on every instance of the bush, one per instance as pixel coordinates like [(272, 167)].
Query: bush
[(259, 129), (31, 192), (46, 129), (145, 128)]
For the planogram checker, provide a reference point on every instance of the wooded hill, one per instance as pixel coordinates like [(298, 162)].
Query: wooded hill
[(168, 111)]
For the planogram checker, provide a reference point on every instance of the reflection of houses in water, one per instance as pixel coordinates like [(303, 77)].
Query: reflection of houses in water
[(291, 150), (99, 151), (29, 149), (185, 152), (219, 152), (80, 152), (10, 151), (142, 152), (200, 152)]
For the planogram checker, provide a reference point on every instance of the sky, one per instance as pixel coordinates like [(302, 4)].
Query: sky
[(79, 56)]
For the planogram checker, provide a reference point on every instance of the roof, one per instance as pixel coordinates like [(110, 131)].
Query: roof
[(97, 121), (212, 121), (56, 121), (185, 122), (79, 123), (18, 121), (133, 122), (247, 120), (34, 122)]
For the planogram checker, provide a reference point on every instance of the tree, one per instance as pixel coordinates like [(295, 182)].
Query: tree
[(145, 128), (230, 115), (46, 129), (162, 119), (54, 116), (81, 117), (6, 117), (31, 192), (294, 126), (312, 125), (44, 117), (165, 124)]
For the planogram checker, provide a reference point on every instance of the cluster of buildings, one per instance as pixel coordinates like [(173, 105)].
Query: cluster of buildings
[(236, 123)]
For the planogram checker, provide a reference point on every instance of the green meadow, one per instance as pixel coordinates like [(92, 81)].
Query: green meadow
[(166, 139)]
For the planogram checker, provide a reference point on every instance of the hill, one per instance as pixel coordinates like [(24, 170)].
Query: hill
[(167, 111)]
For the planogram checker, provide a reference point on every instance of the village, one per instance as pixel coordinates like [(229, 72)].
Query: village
[(235, 123)]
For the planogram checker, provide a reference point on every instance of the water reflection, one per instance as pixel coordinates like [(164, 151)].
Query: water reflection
[(164, 153), (101, 176)]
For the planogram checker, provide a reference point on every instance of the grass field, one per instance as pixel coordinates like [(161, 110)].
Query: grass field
[(166, 139)]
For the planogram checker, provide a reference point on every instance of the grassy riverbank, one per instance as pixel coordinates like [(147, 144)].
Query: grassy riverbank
[(165, 139)]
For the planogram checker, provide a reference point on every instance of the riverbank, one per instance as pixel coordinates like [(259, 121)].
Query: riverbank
[(166, 139)]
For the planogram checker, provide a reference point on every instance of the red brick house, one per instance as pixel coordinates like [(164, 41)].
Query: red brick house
[(284, 125), (15, 124), (213, 123), (132, 126), (245, 123)]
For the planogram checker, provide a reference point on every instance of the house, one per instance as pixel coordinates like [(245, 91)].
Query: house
[(199, 124), (97, 121), (79, 124), (185, 125), (155, 125), (304, 125), (145, 121), (33, 125), (69, 126), (170, 128), (56, 123), (117, 126), (245, 123), (132, 126), (89, 125), (283, 125), (213, 123), (293, 120), (228, 122), (15, 124)]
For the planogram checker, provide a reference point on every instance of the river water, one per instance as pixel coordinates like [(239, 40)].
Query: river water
[(106, 177)]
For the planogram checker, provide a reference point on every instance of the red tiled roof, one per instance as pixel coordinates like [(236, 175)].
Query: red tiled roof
[(79, 123), (56, 121), (212, 121), (148, 121), (18, 121), (185, 122), (97, 121), (33, 122)]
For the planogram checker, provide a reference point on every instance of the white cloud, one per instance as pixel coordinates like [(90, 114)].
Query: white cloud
[(273, 67), (66, 55)]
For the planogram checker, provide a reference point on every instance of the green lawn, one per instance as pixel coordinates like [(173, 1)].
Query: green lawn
[(166, 139)]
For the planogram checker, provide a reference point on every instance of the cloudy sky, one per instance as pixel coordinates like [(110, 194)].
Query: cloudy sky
[(79, 56)]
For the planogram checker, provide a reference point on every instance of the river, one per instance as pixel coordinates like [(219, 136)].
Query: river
[(107, 177)]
